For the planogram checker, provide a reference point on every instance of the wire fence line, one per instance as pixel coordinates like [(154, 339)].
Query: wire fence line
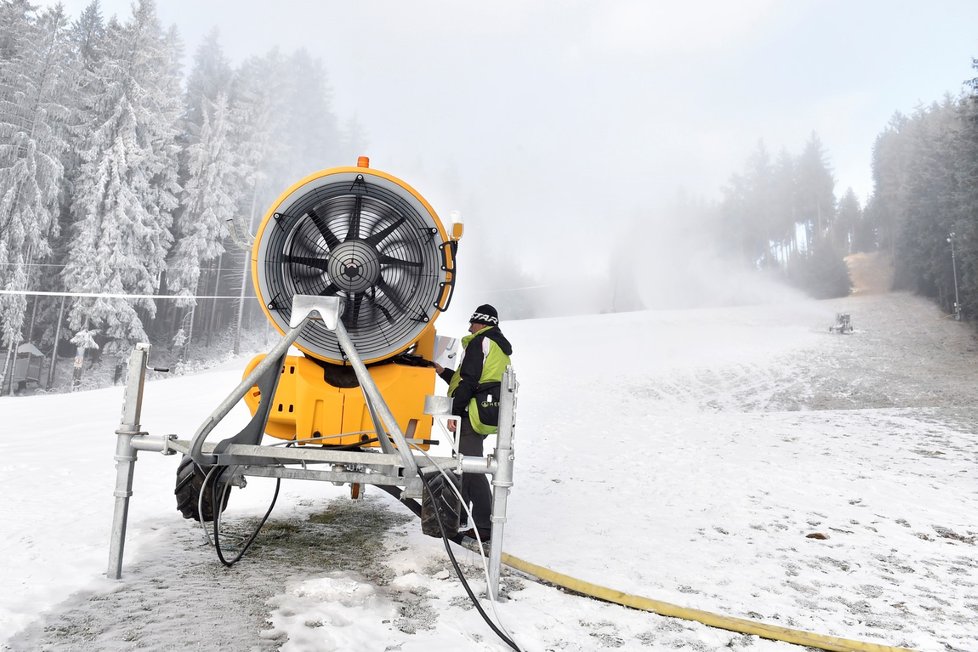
[(102, 295)]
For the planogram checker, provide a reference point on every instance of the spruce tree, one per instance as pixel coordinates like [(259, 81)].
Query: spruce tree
[(888, 204), (848, 218), (311, 129), (211, 76), (88, 35), (814, 192), (923, 263), (16, 27), (126, 186), (259, 119), (784, 206), (209, 177), (33, 116), (966, 223), (208, 201)]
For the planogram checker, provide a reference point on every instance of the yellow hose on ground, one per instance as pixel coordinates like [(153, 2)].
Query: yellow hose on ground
[(773, 632)]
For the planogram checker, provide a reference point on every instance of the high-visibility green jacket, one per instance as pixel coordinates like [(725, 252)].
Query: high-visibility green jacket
[(485, 356)]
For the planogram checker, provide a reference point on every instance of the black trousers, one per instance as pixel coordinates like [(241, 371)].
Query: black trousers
[(475, 486)]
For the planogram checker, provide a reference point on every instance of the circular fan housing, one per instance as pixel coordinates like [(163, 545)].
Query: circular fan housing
[(361, 235)]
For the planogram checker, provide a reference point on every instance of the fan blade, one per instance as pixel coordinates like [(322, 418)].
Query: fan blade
[(380, 235), (376, 304), (318, 263), (390, 260), (329, 290), (389, 291), (354, 229), (328, 236)]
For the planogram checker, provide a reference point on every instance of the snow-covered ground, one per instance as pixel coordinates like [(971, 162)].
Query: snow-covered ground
[(684, 456)]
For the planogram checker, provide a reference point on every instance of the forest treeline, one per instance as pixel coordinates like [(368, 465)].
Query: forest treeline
[(782, 213), (124, 176), (120, 177)]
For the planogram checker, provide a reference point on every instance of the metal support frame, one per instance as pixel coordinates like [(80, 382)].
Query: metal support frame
[(394, 465)]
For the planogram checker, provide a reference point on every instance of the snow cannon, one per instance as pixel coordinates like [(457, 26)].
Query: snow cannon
[(371, 240), (352, 267)]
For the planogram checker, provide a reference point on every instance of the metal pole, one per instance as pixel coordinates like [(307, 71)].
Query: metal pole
[(954, 269), (244, 286), (245, 273), (9, 361), (57, 340), (125, 456), (502, 479), (15, 344)]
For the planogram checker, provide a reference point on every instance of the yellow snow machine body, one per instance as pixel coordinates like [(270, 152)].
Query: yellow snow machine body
[(369, 238)]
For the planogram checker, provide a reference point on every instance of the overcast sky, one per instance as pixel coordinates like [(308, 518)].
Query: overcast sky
[(550, 112)]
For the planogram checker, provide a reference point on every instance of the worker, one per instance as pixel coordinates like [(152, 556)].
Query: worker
[(485, 356)]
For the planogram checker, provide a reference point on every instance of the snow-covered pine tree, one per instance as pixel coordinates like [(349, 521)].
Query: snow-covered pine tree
[(126, 188), (88, 43), (208, 177), (210, 76), (33, 116), (167, 181), (283, 112), (311, 129), (207, 203), (88, 35), (284, 116), (16, 27), (167, 105), (259, 118)]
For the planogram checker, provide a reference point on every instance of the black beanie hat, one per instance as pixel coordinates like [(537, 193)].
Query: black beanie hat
[(485, 314)]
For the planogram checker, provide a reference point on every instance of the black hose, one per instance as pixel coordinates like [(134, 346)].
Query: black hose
[(217, 518), (461, 576)]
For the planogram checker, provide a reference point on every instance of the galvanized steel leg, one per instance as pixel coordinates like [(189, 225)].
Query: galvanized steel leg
[(125, 456), (271, 360), (375, 401), (502, 479)]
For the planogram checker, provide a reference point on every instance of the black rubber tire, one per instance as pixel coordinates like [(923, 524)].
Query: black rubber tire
[(190, 479), (436, 494)]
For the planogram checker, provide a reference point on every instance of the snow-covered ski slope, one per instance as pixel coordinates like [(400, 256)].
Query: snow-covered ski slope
[(685, 456)]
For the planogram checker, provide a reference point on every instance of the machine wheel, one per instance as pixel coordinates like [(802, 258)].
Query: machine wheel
[(190, 479), (436, 494)]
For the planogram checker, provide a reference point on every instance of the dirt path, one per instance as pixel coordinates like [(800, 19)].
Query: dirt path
[(871, 273)]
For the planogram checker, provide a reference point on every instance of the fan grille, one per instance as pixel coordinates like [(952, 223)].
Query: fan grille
[(361, 238)]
